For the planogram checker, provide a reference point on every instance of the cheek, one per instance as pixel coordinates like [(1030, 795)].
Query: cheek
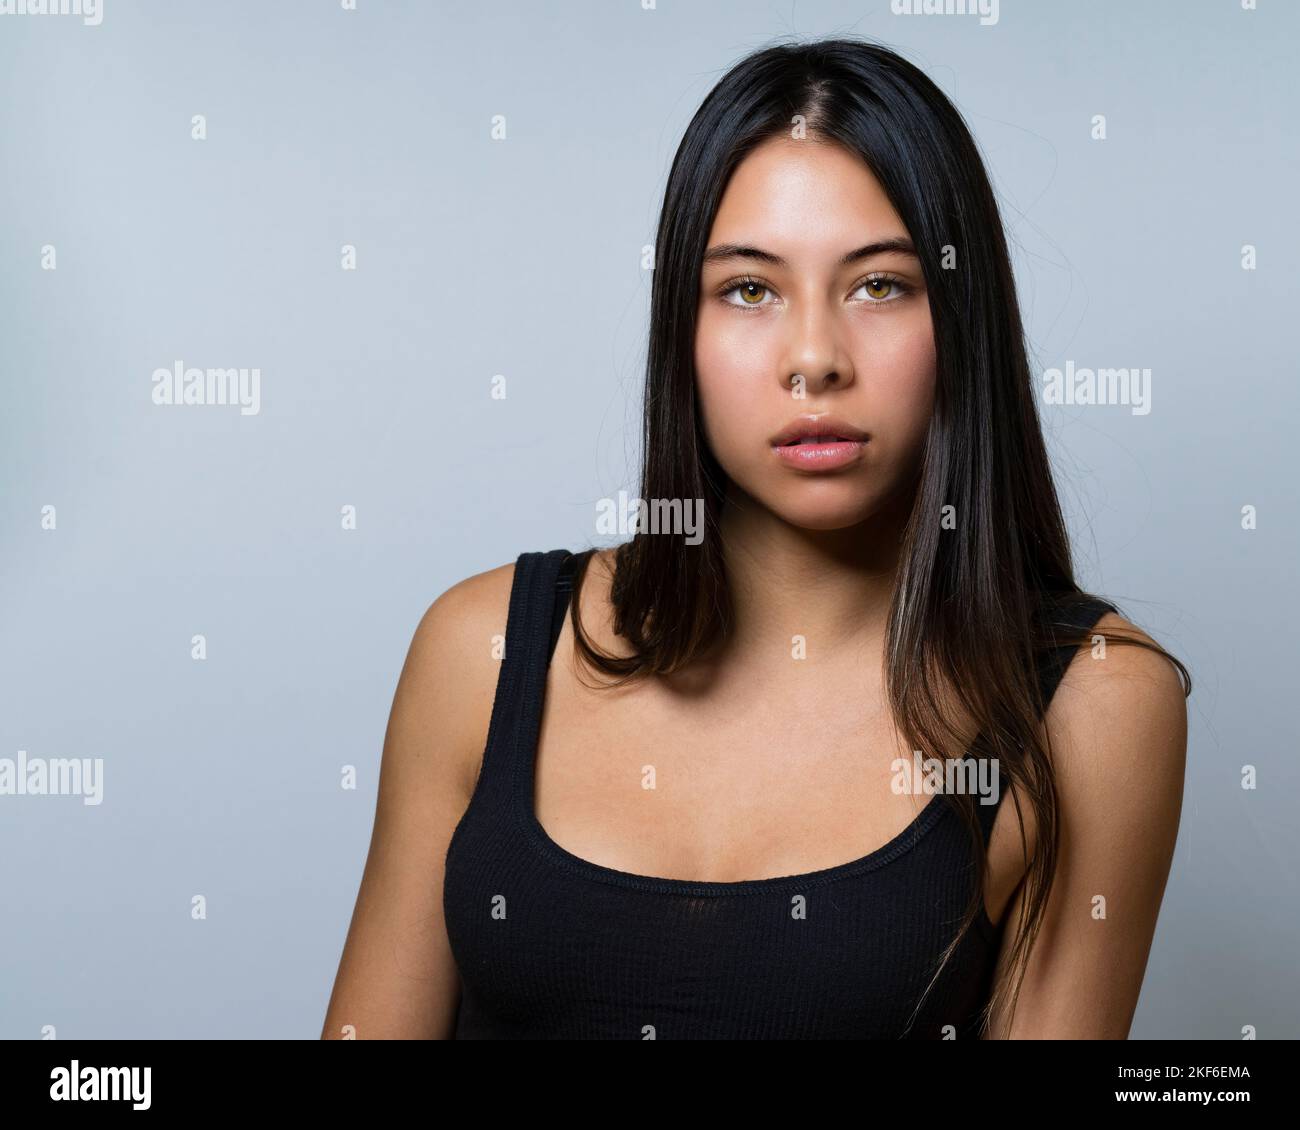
[(895, 371), (734, 369)]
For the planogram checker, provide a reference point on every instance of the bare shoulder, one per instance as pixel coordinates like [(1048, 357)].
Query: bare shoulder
[(448, 682), (1117, 725), (467, 607), (397, 977), (1116, 697)]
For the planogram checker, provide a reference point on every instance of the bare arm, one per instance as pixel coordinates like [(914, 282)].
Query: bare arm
[(397, 978), (1118, 729)]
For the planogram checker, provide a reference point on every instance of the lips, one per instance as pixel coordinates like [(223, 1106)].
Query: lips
[(821, 438), (816, 445), (817, 430)]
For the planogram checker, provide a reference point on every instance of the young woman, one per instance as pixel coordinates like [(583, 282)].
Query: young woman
[(683, 803)]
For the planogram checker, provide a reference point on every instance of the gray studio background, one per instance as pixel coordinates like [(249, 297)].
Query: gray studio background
[(476, 257)]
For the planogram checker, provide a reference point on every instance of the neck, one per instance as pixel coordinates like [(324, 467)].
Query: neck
[(833, 587)]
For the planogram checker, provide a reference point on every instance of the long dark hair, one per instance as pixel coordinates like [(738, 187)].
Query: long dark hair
[(971, 610)]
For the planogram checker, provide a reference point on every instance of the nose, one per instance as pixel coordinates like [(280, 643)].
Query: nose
[(815, 357)]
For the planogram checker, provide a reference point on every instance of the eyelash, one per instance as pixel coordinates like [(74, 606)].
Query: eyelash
[(898, 284)]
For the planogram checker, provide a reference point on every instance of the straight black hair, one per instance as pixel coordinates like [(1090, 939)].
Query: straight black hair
[(974, 605)]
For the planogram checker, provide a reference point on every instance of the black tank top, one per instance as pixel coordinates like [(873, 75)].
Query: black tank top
[(552, 946)]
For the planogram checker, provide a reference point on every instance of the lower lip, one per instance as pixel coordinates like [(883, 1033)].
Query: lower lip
[(820, 456)]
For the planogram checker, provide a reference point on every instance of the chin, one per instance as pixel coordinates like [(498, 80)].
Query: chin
[(823, 513), (826, 522)]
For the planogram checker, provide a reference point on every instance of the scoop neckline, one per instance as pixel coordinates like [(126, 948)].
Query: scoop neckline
[(523, 806), (899, 845), (542, 842)]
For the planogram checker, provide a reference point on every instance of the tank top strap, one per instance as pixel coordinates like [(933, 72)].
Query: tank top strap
[(521, 680), (563, 591), (1078, 616)]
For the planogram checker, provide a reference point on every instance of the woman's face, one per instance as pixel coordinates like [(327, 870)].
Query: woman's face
[(791, 337)]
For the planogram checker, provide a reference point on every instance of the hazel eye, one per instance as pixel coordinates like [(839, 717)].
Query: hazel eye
[(751, 293), (882, 289)]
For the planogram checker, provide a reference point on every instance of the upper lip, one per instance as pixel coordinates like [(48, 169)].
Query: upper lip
[(816, 426)]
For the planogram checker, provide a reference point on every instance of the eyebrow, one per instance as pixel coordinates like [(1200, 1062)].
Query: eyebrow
[(898, 245)]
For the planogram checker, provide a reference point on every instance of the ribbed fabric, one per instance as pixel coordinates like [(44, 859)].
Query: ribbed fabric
[(551, 946)]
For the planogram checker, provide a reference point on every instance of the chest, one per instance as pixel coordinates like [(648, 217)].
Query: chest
[(725, 783)]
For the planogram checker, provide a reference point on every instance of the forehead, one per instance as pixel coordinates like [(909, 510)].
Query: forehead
[(812, 198)]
